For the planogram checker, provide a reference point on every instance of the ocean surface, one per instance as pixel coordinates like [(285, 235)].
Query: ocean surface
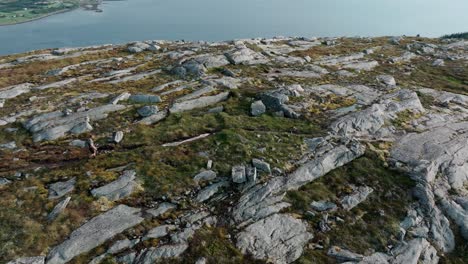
[(211, 20)]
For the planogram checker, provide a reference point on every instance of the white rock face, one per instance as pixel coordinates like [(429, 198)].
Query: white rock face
[(279, 238), (198, 103), (95, 232)]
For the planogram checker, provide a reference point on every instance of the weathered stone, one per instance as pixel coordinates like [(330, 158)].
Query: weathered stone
[(118, 189), (10, 145), (147, 110), (162, 209), (121, 97), (4, 181), (238, 174), (145, 99), (154, 118), (245, 56), (261, 165), (386, 80), (198, 103), (322, 206), (343, 255), (159, 231), (58, 209), (207, 192), (94, 233), (359, 195), (149, 256), (207, 175), (279, 238), (117, 136), (121, 245), (257, 108), (59, 189), (28, 260)]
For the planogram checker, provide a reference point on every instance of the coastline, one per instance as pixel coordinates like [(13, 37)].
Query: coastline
[(40, 17)]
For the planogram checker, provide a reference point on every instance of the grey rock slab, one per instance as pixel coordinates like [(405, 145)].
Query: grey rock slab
[(243, 55), (159, 231), (94, 233), (361, 65), (207, 175), (147, 110), (261, 165), (28, 260), (121, 245), (167, 85), (257, 108), (15, 90), (135, 77), (343, 255), (225, 82), (122, 97), (145, 98), (58, 209), (161, 209), (153, 119), (118, 189), (359, 195), (279, 238), (415, 251), (56, 84), (196, 94), (53, 125), (211, 60), (386, 80), (207, 192), (322, 206), (198, 103), (59, 189), (150, 255)]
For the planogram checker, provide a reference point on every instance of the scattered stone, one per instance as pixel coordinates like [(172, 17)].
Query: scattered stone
[(322, 206), (207, 192), (159, 231), (117, 137), (118, 189), (162, 209), (121, 97), (198, 103), (261, 165), (359, 195), (147, 110), (207, 175), (438, 62), (343, 255), (4, 181), (201, 261), (145, 99), (386, 80), (238, 174), (94, 233), (58, 209), (59, 189), (257, 108)]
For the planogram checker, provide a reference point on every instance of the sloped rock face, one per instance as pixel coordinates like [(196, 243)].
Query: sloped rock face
[(95, 232), (278, 237), (118, 189)]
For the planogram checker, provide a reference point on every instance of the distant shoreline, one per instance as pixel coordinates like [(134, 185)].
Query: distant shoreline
[(38, 18)]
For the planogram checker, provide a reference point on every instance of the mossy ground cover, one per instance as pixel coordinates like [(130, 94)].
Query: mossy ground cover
[(372, 225)]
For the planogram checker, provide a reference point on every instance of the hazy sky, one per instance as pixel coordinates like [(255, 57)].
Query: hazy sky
[(129, 20)]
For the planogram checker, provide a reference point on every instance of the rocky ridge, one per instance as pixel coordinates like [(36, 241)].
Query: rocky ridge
[(242, 151)]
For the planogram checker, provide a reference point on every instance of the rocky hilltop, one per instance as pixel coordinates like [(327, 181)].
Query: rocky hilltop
[(283, 150)]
